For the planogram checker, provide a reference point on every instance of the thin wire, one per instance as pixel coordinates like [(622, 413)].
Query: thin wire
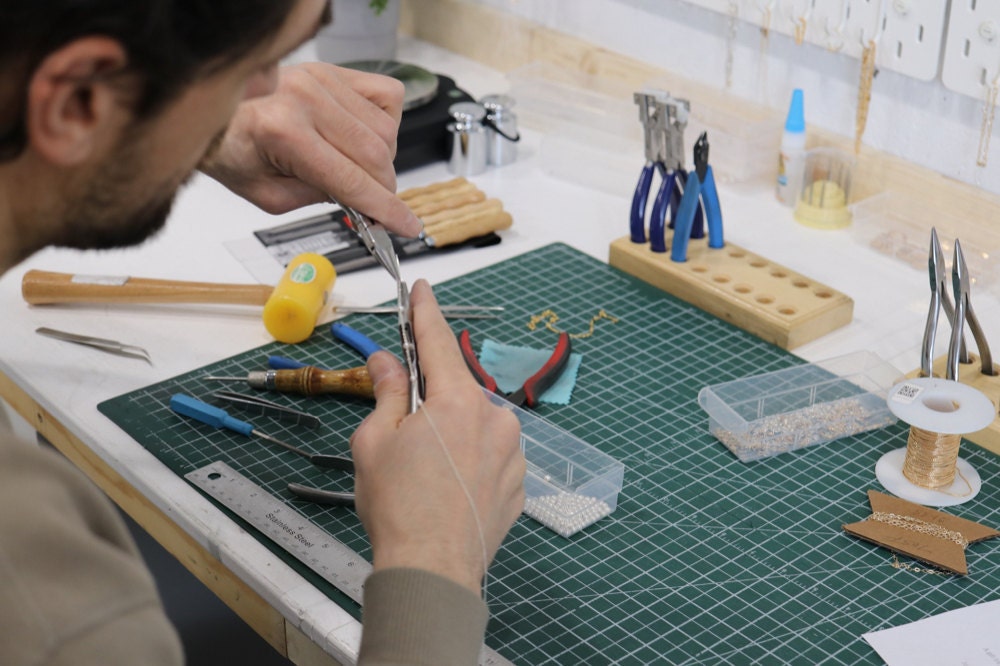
[(931, 460), (465, 489)]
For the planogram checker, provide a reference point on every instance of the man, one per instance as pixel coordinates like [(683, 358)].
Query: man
[(106, 106)]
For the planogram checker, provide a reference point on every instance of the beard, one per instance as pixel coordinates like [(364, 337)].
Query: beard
[(115, 209)]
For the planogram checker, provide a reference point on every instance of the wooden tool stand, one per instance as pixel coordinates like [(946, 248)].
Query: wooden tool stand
[(971, 374), (743, 288)]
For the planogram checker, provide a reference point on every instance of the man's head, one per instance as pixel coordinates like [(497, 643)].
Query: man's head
[(112, 104)]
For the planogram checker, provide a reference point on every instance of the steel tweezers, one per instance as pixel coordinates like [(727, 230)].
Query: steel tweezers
[(104, 344)]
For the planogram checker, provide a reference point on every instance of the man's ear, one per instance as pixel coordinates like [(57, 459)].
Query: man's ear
[(72, 106)]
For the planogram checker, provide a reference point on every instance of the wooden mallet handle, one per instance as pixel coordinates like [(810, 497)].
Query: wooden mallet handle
[(46, 287)]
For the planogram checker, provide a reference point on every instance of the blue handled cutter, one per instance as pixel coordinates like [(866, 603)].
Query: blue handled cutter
[(700, 187)]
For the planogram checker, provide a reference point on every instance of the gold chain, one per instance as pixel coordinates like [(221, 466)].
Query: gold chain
[(896, 564), (550, 318), (921, 526), (864, 93), (986, 130)]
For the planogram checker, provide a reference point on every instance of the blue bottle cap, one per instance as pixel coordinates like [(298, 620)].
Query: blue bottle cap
[(796, 120)]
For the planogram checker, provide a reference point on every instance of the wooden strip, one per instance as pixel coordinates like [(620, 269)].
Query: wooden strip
[(487, 206), (453, 201), (414, 192), (470, 227), (440, 195)]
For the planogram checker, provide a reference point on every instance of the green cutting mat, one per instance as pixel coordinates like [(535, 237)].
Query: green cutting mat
[(705, 561)]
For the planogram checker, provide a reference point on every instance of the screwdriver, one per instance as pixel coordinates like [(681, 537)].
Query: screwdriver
[(208, 414), (308, 380)]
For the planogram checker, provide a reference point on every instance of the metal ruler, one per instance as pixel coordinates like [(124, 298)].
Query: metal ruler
[(330, 558)]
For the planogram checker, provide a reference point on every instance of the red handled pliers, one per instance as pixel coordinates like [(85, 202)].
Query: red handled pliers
[(534, 386)]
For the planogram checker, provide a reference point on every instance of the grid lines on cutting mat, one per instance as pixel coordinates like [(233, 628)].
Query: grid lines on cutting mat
[(706, 560)]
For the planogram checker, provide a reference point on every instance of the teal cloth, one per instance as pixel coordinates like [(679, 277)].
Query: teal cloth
[(510, 366)]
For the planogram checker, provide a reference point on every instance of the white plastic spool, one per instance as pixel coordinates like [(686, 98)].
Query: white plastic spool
[(942, 406)]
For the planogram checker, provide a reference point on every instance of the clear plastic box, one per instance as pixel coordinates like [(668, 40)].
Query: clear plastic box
[(569, 484), (899, 226), (744, 137), (572, 106), (775, 412)]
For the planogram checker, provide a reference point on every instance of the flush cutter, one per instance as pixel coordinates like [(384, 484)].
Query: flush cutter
[(700, 186), (534, 386), (664, 119)]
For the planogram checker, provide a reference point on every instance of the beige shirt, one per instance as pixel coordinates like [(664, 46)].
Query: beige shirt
[(75, 591)]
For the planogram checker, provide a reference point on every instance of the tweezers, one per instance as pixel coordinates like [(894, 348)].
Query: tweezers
[(264, 407), (449, 311), (376, 239), (103, 344)]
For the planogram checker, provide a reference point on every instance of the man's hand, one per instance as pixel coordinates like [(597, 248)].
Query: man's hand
[(413, 507), (325, 131)]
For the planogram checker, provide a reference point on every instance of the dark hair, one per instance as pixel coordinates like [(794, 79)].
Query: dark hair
[(169, 43)]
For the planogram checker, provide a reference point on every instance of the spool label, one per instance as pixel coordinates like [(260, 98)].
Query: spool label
[(907, 393), (303, 273)]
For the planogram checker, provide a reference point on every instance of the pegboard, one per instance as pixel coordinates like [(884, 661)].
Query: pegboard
[(909, 34), (972, 48)]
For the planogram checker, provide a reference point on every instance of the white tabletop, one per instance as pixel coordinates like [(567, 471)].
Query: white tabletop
[(69, 381)]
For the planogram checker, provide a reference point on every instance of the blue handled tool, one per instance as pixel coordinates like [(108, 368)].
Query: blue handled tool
[(284, 363), (355, 338), (208, 414), (700, 186), (663, 119)]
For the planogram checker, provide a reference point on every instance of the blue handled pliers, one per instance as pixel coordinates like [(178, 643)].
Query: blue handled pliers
[(700, 186), (663, 118)]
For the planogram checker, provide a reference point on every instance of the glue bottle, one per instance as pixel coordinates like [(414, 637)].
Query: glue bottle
[(791, 158)]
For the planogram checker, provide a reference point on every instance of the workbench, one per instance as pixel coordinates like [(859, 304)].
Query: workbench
[(56, 386)]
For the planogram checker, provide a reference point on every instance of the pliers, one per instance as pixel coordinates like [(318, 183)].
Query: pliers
[(940, 300), (700, 186), (534, 386), (376, 239), (964, 313), (663, 119)]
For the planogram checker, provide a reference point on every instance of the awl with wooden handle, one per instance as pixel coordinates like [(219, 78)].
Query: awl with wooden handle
[(309, 380)]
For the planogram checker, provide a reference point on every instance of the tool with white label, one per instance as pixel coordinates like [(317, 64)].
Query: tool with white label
[(330, 558)]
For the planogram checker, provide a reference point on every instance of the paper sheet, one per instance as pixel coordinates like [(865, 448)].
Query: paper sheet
[(967, 636)]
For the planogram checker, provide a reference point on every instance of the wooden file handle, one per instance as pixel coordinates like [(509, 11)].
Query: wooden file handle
[(313, 381), (456, 231), (45, 287)]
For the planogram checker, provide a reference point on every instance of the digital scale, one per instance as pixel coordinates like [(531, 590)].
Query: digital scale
[(326, 555), (423, 132)]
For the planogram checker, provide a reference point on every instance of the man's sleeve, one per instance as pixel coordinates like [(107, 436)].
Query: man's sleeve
[(412, 616), (73, 587)]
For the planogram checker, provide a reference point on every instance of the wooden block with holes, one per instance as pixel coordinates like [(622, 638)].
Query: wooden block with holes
[(971, 374), (743, 288)]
